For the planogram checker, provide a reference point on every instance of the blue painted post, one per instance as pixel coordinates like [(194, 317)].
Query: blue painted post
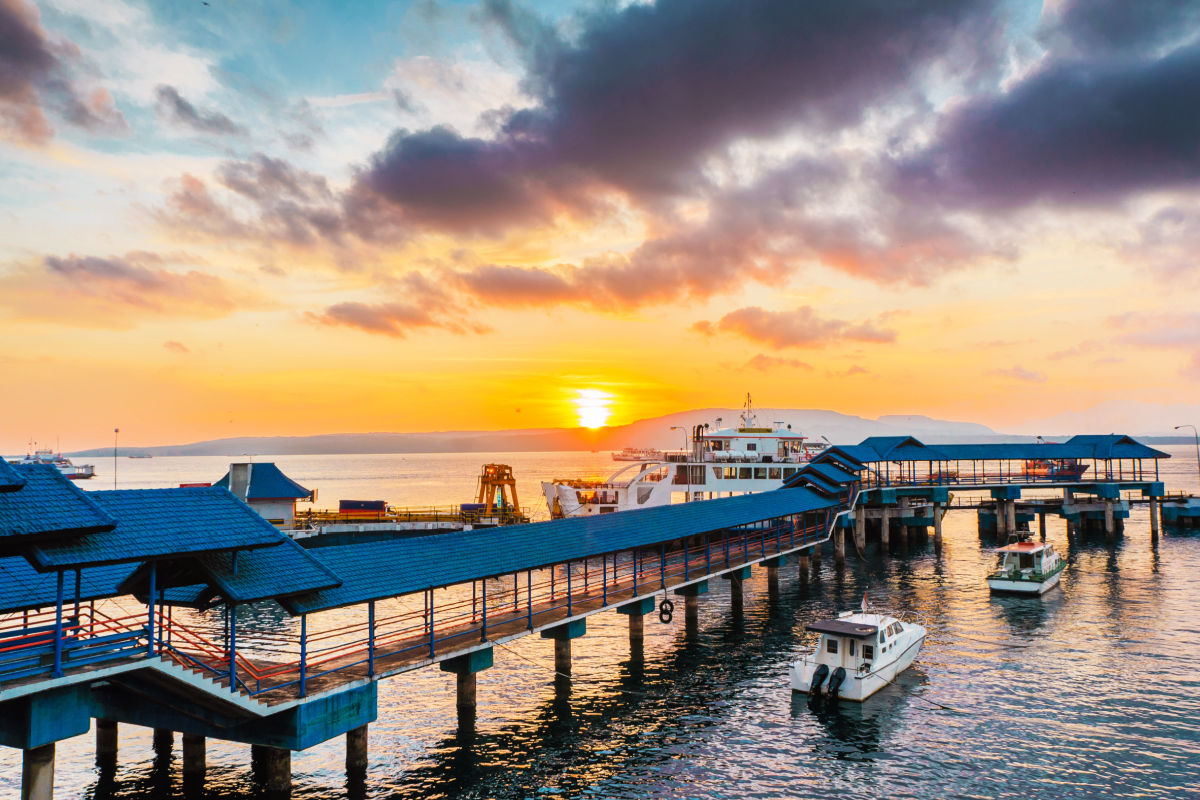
[(568, 588), (432, 640), (304, 655), (232, 648), (483, 606), (150, 603), (58, 629), (604, 579), (529, 597), (371, 639)]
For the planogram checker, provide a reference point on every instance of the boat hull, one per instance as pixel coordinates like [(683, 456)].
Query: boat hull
[(858, 687), (1007, 586)]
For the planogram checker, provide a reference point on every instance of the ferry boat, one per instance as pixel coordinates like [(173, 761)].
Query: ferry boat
[(1062, 469), (721, 462), (857, 655), (75, 472), (1026, 567), (638, 454)]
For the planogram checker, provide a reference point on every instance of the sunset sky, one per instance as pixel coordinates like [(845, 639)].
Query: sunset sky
[(231, 218)]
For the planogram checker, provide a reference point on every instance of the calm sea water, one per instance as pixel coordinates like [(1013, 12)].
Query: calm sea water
[(1092, 690)]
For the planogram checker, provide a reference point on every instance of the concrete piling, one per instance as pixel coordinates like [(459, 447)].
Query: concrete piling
[(37, 773), (1110, 528), (860, 529), (273, 768), (1042, 525), (1010, 516), (464, 668), (356, 750), (194, 757), (802, 566), (106, 742), (164, 741), (937, 527), (562, 656), (839, 548), (773, 583), (1155, 513), (885, 528), (736, 594), (691, 615)]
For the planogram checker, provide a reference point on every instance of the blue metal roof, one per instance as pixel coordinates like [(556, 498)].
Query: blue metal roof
[(10, 481), (375, 570), (22, 587), (260, 574), (157, 523), (852, 455), (831, 473), (803, 478), (878, 449), (267, 482), (48, 505), (901, 448)]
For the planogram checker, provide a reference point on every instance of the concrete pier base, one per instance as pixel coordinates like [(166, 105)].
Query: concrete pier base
[(1042, 525), (37, 773), (1110, 527), (860, 530), (464, 699), (194, 757), (937, 527), (737, 600), (106, 742), (637, 633), (839, 548), (1010, 516), (273, 768), (885, 529), (356, 751), (164, 741), (773, 584), (691, 615), (802, 566), (1155, 519), (562, 657), (464, 668)]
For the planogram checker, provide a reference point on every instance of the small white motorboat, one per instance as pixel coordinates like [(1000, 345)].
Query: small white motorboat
[(857, 655), (1026, 567)]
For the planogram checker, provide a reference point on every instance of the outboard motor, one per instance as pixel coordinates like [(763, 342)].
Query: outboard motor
[(817, 679), (836, 680)]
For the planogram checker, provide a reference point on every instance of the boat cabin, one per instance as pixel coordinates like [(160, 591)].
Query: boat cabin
[(1027, 558), (853, 645)]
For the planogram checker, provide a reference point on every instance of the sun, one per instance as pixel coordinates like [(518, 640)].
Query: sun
[(592, 407)]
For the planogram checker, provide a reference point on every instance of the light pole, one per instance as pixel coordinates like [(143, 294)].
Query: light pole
[(115, 432), (1196, 437)]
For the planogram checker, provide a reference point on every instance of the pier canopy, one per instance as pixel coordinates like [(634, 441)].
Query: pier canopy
[(10, 481), (42, 505), (266, 489), (22, 587), (381, 569)]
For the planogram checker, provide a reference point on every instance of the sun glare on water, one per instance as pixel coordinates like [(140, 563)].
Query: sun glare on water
[(593, 407)]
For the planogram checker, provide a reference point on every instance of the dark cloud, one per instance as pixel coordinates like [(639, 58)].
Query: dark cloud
[(1107, 26), (36, 76), (173, 107), (801, 327), (647, 92), (116, 291), (420, 303), (1075, 132)]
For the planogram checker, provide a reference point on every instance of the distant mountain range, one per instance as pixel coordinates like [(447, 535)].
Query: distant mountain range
[(654, 432)]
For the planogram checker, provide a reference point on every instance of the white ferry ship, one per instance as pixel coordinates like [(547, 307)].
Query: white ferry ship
[(721, 462), (638, 454), (75, 472)]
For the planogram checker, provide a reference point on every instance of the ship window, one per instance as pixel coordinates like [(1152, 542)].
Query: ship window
[(731, 472), (717, 472), (760, 473), (850, 647), (773, 473), (1026, 561), (744, 473), (751, 446), (881, 637), (831, 645), (789, 472), (868, 652)]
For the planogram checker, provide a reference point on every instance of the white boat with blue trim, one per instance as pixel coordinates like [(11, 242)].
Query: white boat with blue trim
[(1026, 567), (857, 655)]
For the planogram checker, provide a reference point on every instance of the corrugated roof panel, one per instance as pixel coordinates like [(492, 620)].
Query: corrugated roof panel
[(48, 504), (10, 481), (267, 482), (156, 523), (22, 587), (375, 570), (267, 572), (832, 473)]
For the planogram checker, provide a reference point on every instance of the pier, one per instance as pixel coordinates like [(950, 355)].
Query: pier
[(447, 600)]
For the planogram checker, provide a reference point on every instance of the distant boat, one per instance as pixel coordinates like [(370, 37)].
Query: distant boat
[(72, 471), (637, 454), (141, 455), (1026, 567)]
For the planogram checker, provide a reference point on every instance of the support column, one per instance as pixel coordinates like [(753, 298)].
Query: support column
[(773, 583), (839, 549), (37, 773), (273, 767), (1154, 520), (356, 747), (860, 529), (802, 566), (106, 741), (737, 579), (464, 667), (1042, 525), (193, 757), (937, 527), (1010, 516), (691, 615), (885, 528), (562, 657), (636, 611), (1110, 532), (164, 741), (1001, 521)]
